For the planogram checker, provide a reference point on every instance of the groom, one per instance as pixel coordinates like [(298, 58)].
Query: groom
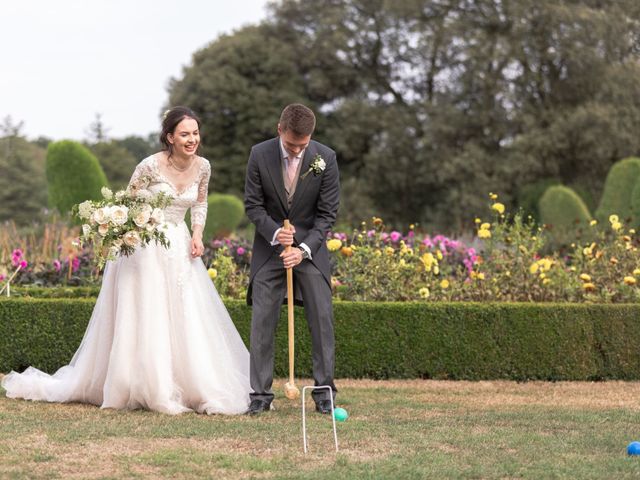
[(291, 177)]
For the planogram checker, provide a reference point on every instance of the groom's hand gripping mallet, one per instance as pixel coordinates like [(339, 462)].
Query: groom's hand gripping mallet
[(290, 389)]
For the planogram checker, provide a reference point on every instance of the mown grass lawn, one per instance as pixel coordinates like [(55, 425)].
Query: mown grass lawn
[(410, 429)]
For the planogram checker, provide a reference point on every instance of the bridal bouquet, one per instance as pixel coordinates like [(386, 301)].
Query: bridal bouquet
[(121, 222)]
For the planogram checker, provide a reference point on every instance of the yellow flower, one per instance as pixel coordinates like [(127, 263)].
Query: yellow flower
[(616, 226), (630, 280), (477, 275), (377, 252), (584, 277), (334, 244), (424, 292), (545, 264), (484, 233), (213, 273), (485, 226), (377, 221), (346, 251), (626, 238), (534, 268), (543, 276), (546, 281), (613, 260), (493, 196), (478, 220), (632, 231), (402, 263), (444, 284), (412, 226), (613, 218), (498, 207), (439, 254), (636, 272), (593, 223), (389, 250), (428, 260), (436, 270), (588, 287)]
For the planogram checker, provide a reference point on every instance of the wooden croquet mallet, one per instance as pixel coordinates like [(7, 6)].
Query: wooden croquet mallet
[(290, 389)]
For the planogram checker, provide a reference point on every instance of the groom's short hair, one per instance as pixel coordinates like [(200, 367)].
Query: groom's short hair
[(298, 119)]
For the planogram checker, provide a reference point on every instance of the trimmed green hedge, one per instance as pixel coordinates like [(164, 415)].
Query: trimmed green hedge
[(390, 340)]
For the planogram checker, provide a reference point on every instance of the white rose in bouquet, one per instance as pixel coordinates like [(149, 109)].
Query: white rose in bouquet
[(101, 215), (119, 214), (131, 238), (141, 218), (103, 229), (150, 227), (120, 194), (106, 193), (86, 230), (117, 243), (113, 251), (157, 215)]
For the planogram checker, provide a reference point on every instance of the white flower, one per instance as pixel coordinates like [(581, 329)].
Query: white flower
[(150, 227), (113, 251), (86, 230), (117, 243), (157, 215), (119, 214), (85, 209), (321, 164), (144, 194), (103, 229), (120, 194), (142, 217), (106, 193), (101, 215), (131, 238)]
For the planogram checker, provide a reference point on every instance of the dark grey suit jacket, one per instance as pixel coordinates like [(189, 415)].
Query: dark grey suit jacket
[(313, 208)]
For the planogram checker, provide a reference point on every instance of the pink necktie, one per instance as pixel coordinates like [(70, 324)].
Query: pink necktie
[(292, 166)]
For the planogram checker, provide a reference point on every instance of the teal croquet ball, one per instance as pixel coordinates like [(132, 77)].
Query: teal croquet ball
[(340, 414), (633, 448)]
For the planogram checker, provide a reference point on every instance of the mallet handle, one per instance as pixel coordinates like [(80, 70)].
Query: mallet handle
[(287, 226)]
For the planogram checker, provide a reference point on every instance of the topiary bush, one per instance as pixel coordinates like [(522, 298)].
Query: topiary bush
[(564, 212), (225, 212), (73, 175), (618, 189)]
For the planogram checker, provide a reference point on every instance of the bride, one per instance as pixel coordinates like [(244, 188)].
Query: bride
[(159, 337)]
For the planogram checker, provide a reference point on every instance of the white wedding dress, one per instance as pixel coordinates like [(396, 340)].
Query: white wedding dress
[(159, 337)]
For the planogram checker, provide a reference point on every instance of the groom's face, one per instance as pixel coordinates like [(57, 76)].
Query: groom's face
[(293, 144)]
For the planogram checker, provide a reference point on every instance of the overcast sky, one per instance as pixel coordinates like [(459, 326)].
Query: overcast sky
[(63, 61)]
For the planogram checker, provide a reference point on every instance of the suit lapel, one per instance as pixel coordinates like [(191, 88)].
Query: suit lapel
[(274, 167), (309, 153)]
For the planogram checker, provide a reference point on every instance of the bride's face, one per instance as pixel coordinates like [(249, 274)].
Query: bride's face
[(185, 138)]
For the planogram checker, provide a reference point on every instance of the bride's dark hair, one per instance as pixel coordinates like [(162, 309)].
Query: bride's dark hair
[(170, 121)]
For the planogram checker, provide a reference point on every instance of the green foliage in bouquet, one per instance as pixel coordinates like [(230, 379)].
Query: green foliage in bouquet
[(224, 214), (563, 212), (73, 175), (621, 181)]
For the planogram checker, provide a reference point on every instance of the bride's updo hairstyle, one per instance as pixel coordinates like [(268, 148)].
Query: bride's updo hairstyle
[(170, 121)]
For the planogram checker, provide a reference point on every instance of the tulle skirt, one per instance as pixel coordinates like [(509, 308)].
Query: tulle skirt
[(159, 338)]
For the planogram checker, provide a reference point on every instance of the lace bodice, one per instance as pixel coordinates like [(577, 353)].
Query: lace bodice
[(147, 176)]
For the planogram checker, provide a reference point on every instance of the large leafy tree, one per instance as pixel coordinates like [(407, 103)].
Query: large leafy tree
[(431, 103)]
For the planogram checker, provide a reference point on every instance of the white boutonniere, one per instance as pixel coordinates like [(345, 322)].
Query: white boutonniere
[(317, 166)]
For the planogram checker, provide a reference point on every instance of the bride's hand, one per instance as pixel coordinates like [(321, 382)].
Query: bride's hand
[(197, 248)]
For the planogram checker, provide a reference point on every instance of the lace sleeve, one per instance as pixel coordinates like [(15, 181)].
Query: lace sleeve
[(141, 177), (199, 209)]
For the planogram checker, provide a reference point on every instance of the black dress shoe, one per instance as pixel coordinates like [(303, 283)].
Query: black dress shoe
[(258, 406), (323, 406)]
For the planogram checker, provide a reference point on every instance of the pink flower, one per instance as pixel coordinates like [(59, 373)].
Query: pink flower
[(57, 265), (2, 277), (240, 251), (395, 236), (17, 253), (23, 264), (371, 233), (75, 264)]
